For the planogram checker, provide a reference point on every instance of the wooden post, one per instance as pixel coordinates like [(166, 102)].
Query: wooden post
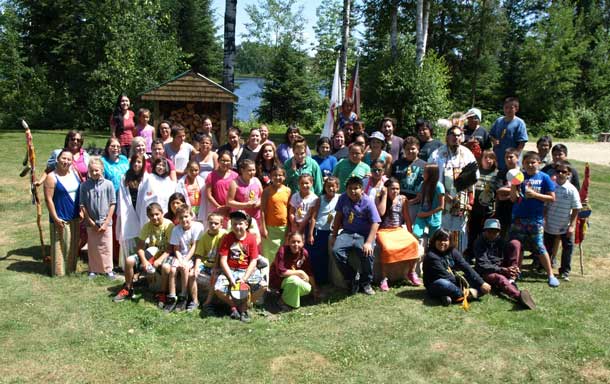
[(224, 112), (156, 118)]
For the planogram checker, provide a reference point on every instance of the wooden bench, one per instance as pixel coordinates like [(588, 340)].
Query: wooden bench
[(604, 137)]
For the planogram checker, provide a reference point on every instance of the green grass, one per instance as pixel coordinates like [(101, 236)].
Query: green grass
[(68, 330)]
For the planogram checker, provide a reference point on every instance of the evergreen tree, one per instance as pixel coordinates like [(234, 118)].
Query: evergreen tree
[(289, 94)]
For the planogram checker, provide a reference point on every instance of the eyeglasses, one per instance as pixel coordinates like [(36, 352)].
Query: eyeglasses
[(114, 146), (562, 171), (377, 170)]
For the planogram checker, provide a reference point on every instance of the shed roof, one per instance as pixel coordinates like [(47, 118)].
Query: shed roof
[(190, 86)]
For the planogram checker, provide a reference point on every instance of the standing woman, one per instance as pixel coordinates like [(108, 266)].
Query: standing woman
[(377, 152), (131, 208), (207, 159), (284, 151), (265, 161), (340, 149), (115, 166), (233, 146), (252, 146), (61, 192), (217, 185), (80, 158), (178, 150), (138, 147), (122, 124), (164, 132)]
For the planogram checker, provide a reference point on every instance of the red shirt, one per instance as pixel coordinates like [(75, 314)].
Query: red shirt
[(129, 128), (286, 260), (239, 252)]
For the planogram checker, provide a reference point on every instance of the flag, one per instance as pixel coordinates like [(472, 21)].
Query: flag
[(335, 102), (353, 89)]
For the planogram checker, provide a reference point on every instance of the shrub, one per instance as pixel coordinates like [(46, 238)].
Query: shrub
[(587, 120)]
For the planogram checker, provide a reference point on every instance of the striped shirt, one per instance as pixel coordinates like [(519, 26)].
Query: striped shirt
[(559, 212)]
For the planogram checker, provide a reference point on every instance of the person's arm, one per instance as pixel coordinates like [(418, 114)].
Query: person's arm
[(210, 197), (547, 197), (367, 248), (381, 201), (471, 274), (388, 165), (573, 217), (406, 215), (224, 265), (106, 222), (49, 190), (264, 199), (337, 224), (520, 146), (481, 255), (318, 179), (231, 202), (314, 218), (88, 220), (251, 265), (292, 222)]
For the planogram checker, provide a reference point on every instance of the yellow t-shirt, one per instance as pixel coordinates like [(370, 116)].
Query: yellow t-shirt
[(157, 236), (207, 247)]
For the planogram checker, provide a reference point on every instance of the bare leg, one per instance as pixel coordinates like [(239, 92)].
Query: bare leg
[(192, 286), (545, 261), (129, 272), (172, 282), (165, 271)]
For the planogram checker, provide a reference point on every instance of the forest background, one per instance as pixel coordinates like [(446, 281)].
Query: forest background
[(63, 63)]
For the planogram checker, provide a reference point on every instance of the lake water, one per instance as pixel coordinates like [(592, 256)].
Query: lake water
[(248, 90)]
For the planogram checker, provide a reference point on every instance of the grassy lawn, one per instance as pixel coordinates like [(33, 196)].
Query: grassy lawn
[(68, 329)]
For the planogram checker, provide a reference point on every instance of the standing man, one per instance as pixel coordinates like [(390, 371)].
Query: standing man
[(393, 143), (508, 131), (476, 137), (451, 160)]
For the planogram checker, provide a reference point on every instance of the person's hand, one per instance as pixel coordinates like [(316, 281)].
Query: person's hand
[(310, 240), (264, 232), (303, 276), (505, 272), (422, 215), (60, 224), (485, 288), (367, 248), (530, 193), (102, 228), (570, 230)]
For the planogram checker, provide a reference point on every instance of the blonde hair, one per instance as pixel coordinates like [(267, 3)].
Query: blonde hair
[(95, 160)]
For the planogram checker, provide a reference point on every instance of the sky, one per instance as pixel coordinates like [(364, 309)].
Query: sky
[(309, 13)]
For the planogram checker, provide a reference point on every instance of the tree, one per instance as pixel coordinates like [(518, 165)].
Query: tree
[(421, 30), (275, 21), (228, 72), (551, 63), (197, 36), (345, 25), (289, 94)]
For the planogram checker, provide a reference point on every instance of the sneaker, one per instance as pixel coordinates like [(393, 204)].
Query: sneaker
[(208, 310), (150, 269), (161, 299), (414, 279), (565, 276), (123, 294), (181, 304), (446, 301), (192, 306), (474, 294), (368, 290), (111, 275), (170, 305), (92, 275), (526, 300), (553, 282), (384, 285), (235, 315), (244, 317)]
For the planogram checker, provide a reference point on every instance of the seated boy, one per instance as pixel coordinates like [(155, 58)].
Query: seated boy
[(206, 259), (358, 217), (498, 262), (528, 211), (182, 245), (561, 217), (152, 247), (238, 253)]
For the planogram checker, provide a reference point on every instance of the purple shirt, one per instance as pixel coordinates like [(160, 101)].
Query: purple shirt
[(358, 217)]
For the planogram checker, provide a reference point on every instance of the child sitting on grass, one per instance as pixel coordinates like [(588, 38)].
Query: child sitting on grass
[(152, 247), (182, 245), (206, 260), (291, 272), (440, 264), (238, 261)]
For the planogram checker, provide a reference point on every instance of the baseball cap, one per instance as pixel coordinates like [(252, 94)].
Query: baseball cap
[(492, 224), (474, 112), (377, 135), (239, 215)]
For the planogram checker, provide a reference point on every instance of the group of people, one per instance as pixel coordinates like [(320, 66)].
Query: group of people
[(228, 222)]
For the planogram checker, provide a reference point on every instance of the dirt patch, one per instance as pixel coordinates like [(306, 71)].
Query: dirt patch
[(598, 267), (292, 365), (596, 153), (595, 372), (439, 346)]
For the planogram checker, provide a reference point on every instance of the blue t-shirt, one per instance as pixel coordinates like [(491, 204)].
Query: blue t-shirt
[(358, 217), (510, 134), (326, 165), (533, 208), (427, 206)]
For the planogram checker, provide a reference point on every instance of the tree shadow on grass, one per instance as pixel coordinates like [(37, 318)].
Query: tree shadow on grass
[(419, 294), (22, 265)]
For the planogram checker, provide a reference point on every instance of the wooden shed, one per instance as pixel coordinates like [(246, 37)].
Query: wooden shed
[(189, 96)]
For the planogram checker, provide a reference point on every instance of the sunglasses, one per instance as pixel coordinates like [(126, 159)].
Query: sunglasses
[(562, 171), (377, 170)]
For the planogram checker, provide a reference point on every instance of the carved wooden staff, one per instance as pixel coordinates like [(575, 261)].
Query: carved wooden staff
[(31, 160)]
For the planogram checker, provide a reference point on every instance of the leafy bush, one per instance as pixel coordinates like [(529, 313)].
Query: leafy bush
[(587, 120), (561, 125)]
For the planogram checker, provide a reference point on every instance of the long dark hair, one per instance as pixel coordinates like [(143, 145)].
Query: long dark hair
[(260, 161), (71, 135), (175, 196), (389, 202), (429, 185), (133, 178), (117, 116)]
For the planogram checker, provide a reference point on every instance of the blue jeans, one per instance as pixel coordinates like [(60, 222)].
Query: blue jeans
[(445, 287), (344, 244), (567, 248)]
